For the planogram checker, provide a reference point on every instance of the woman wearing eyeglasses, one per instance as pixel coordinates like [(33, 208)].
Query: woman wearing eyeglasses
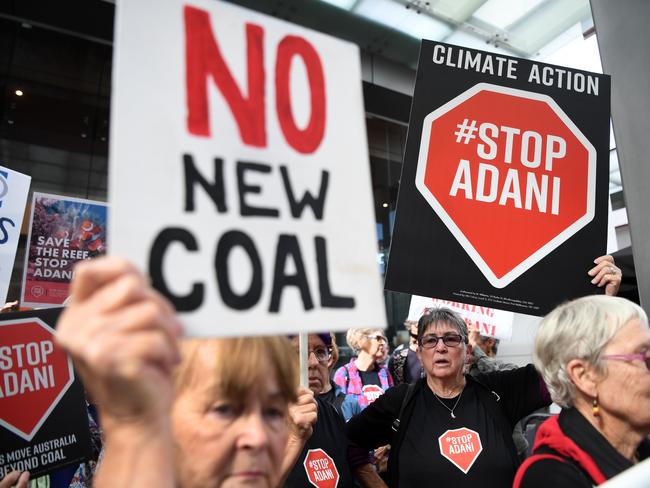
[(449, 427), (594, 355), (364, 378)]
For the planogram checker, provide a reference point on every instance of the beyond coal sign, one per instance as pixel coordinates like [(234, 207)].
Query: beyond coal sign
[(43, 419), (504, 185)]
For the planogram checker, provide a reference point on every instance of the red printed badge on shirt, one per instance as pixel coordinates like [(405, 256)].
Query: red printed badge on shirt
[(321, 470), (372, 392), (461, 447)]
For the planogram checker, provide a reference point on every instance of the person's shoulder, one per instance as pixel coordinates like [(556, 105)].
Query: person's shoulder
[(552, 471)]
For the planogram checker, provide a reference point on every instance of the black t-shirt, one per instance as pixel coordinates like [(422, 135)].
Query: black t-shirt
[(370, 377), (461, 452), (328, 449)]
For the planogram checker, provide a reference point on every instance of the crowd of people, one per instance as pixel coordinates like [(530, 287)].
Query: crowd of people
[(442, 409)]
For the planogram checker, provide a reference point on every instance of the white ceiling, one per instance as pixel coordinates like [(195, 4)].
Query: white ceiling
[(519, 27)]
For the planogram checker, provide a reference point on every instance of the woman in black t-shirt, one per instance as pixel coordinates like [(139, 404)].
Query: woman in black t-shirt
[(449, 428)]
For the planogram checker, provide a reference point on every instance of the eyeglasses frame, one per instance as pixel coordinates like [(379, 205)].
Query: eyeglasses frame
[(462, 338)]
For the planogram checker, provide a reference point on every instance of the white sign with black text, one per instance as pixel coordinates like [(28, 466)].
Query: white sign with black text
[(239, 174), (14, 188)]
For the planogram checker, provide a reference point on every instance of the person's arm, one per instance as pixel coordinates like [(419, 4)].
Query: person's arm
[(368, 477), (372, 428), (521, 391), (302, 417), (359, 460), (122, 336), (137, 453)]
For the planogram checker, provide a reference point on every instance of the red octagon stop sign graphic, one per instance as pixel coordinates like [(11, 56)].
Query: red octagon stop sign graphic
[(509, 174), (34, 375), (321, 470)]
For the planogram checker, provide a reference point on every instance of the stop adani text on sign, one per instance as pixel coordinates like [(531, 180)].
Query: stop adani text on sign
[(239, 173), (505, 183)]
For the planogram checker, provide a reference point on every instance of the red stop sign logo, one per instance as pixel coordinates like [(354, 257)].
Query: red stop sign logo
[(321, 470), (461, 447), (34, 375), (509, 174)]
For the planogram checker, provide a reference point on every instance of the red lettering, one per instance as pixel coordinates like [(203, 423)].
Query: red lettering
[(488, 329), (203, 59), (308, 139)]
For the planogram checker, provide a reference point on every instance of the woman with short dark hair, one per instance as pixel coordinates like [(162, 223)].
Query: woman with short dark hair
[(449, 428)]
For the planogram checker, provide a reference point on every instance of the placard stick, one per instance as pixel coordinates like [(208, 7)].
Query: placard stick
[(304, 359)]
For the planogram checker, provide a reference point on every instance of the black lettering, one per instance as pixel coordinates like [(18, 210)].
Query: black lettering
[(227, 242), (288, 246), (5, 234), (317, 204), (216, 191), (244, 209), (327, 298), (182, 303)]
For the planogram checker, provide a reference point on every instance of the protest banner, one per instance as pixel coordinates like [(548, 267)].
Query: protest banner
[(239, 174), (43, 417), (488, 321), (14, 188), (62, 231), (504, 187)]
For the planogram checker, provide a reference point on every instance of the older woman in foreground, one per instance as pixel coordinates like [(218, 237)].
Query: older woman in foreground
[(594, 354), (198, 413), (450, 429)]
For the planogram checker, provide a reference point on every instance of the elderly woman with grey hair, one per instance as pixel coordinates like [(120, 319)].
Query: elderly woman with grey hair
[(364, 378), (449, 428), (594, 354)]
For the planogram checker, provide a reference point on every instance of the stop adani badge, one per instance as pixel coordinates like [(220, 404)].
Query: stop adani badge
[(239, 169), (504, 188)]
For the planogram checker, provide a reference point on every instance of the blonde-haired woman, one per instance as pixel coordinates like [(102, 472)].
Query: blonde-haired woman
[(364, 378), (203, 413), (594, 355)]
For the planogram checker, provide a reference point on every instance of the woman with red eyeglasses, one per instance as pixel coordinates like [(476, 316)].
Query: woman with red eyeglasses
[(594, 354)]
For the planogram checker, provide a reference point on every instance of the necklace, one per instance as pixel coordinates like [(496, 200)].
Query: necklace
[(451, 410)]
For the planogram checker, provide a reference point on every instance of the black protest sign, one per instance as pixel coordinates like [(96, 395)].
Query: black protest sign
[(504, 188), (43, 417)]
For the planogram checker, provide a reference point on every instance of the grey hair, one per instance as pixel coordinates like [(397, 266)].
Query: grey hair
[(355, 337), (579, 329), (442, 315), (495, 345)]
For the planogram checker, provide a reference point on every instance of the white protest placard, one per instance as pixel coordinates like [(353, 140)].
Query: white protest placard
[(239, 174), (14, 188), (488, 321)]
